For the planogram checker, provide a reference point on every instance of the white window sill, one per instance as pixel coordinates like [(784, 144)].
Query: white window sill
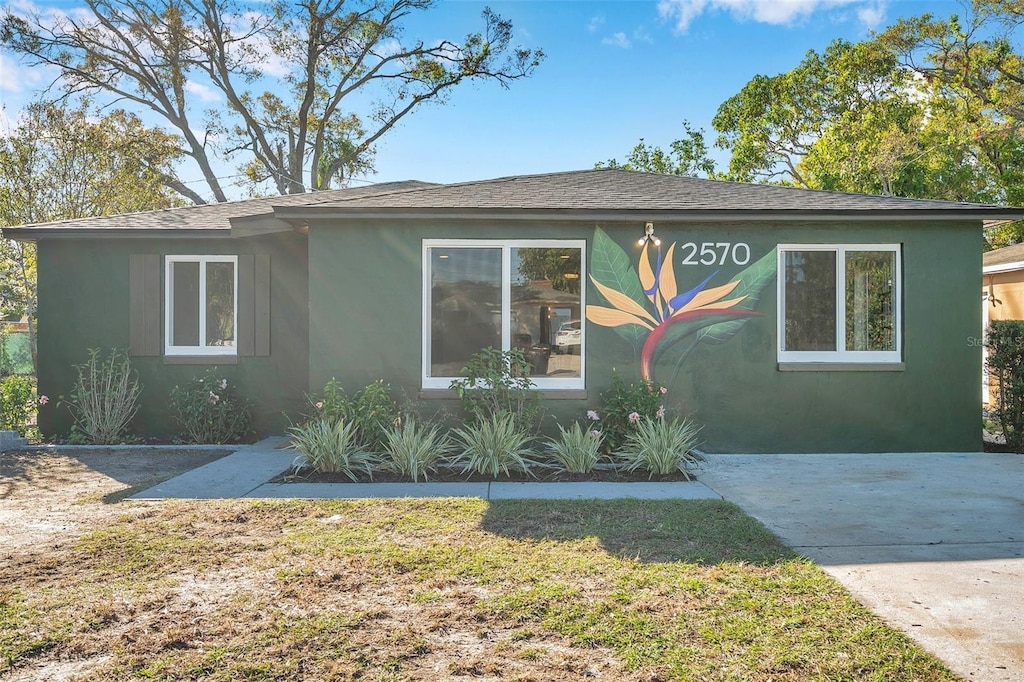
[(200, 359), (548, 394)]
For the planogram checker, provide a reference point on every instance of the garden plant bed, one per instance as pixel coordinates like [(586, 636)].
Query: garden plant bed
[(458, 476)]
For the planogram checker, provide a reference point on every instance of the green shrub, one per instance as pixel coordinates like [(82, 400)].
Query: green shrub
[(331, 446), (576, 450), (413, 450), (624, 406), (105, 396), (372, 411), (497, 383), (660, 447), (1005, 343), (17, 403), (493, 446), (209, 409)]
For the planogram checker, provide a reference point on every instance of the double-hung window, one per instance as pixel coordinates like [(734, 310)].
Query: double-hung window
[(839, 303), (201, 305), (525, 294)]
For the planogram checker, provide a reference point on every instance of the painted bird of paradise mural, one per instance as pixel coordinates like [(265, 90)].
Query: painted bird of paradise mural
[(646, 307)]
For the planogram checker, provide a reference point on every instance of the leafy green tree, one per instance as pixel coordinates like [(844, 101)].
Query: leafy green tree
[(73, 163), (289, 76), (688, 155)]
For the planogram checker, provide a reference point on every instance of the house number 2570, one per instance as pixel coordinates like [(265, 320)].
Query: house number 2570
[(715, 253)]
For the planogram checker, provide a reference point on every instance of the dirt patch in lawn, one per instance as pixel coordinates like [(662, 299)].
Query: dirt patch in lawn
[(47, 496)]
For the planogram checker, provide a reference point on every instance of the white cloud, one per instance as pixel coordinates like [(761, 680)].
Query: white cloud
[(872, 16), (617, 40), (203, 92), (595, 23), (15, 77), (777, 12)]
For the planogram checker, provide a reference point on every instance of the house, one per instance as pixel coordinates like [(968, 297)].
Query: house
[(783, 320), (1002, 281)]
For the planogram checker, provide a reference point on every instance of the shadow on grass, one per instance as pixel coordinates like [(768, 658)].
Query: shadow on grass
[(706, 532)]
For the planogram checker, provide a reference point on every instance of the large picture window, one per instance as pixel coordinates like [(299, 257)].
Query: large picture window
[(201, 305), (504, 294), (839, 303)]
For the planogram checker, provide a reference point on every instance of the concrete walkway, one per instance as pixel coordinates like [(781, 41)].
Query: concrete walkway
[(245, 474), (933, 543)]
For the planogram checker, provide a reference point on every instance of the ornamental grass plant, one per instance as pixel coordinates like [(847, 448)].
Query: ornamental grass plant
[(494, 446), (660, 447), (414, 451), (332, 446), (577, 449)]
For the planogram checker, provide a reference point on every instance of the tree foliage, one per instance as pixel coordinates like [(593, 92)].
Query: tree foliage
[(688, 155), (62, 164), (929, 108), (288, 77)]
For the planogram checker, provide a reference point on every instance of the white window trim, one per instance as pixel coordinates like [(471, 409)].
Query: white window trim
[(201, 349), (841, 355), (506, 246)]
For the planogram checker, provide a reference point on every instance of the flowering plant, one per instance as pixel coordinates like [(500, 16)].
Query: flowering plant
[(209, 409), (624, 406)]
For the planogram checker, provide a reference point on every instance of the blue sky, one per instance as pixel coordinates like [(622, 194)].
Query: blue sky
[(615, 71)]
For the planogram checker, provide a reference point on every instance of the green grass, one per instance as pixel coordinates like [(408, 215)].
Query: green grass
[(443, 589)]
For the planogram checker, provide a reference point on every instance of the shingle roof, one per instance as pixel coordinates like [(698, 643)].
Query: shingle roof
[(1004, 256), (608, 189), (210, 216)]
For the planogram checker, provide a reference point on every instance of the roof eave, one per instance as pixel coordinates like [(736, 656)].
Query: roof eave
[(1002, 267), (293, 213), (36, 233)]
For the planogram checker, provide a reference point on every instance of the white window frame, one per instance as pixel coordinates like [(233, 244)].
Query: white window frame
[(841, 355), (202, 348), (506, 246)]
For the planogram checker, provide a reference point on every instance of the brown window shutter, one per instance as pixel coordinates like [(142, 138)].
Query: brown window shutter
[(144, 306), (254, 304)]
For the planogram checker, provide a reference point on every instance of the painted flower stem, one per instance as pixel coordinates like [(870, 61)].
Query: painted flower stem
[(647, 355)]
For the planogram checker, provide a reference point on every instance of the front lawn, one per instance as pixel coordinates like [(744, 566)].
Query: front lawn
[(438, 590)]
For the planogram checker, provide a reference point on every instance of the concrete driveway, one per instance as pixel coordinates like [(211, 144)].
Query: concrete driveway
[(932, 542)]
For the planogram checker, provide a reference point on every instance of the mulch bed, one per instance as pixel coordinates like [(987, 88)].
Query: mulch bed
[(456, 476)]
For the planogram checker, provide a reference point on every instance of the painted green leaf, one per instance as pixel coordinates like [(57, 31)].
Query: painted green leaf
[(610, 266), (753, 281)]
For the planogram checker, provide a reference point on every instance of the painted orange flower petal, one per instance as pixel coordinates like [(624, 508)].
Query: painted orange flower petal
[(709, 296), (645, 272), (609, 317), (623, 302), (722, 305), (669, 288)]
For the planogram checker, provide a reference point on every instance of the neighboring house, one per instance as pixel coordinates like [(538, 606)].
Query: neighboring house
[(783, 320), (1002, 292)]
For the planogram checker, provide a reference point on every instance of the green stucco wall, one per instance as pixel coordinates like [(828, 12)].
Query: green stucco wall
[(366, 321), (84, 303)]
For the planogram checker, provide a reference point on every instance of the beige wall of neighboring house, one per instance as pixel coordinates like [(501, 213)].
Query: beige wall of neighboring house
[(1002, 290)]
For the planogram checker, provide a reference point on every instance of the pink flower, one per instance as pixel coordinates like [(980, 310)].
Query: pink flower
[(43, 400), (664, 390), (223, 384), (595, 434), (593, 416), (319, 405), (634, 417), (214, 398), (661, 411)]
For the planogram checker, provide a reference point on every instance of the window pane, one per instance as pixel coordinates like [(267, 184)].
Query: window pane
[(810, 290), (220, 304), (546, 309), (870, 311), (465, 306), (185, 304)]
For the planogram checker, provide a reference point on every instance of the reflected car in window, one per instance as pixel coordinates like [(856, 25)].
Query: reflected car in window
[(568, 336)]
